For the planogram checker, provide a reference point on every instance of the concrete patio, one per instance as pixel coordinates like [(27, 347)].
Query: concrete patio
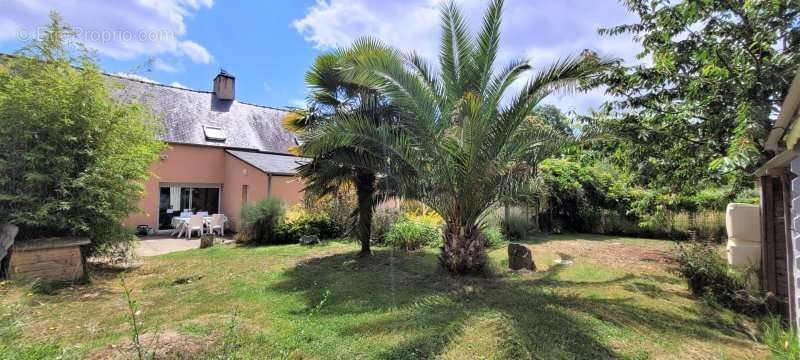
[(163, 244)]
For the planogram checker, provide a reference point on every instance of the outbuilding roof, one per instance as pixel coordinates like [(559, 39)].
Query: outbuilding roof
[(270, 163)]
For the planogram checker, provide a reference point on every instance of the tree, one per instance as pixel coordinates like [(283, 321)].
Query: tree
[(334, 97), (699, 112), (552, 116), (459, 131), (73, 159)]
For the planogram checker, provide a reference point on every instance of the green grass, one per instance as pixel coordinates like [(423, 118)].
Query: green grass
[(324, 302), (782, 343)]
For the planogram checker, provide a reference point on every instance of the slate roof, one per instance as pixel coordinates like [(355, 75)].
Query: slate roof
[(270, 163), (183, 113)]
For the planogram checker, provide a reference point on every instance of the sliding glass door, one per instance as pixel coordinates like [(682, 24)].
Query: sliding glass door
[(176, 199)]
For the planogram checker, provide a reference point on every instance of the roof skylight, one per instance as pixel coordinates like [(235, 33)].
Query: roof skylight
[(214, 133)]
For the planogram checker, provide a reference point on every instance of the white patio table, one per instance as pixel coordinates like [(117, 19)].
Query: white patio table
[(179, 223)]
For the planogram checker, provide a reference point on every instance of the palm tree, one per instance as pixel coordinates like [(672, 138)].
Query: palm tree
[(333, 97), (458, 137)]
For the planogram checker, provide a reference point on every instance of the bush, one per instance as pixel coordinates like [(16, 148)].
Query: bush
[(494, 237), (425, 216), (709, 276), (74, 159), (410, 235), (382, 222), (319, 224), (517, 227), (261, 221), (338, 205)]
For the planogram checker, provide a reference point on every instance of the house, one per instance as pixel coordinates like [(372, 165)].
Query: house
[(780, 208), (221, 154)]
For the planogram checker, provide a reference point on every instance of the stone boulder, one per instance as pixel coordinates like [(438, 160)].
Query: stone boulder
[(520, 257), (309, 240), (7, 234), (207, 241)]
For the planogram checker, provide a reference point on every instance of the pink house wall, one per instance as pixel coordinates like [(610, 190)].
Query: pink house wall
[(178, 164), (203, 165), (287, 188), (237, 174)]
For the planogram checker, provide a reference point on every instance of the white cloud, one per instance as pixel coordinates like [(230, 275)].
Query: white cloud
[(541, 30), (179, 85), (195, 52), (118, 29), (135, 77), (162, 65), (405, 24)]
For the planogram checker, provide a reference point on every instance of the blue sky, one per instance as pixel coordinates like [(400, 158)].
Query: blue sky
[(269, 45)]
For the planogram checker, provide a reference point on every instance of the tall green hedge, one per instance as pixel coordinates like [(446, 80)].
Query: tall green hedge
[(73, 159)]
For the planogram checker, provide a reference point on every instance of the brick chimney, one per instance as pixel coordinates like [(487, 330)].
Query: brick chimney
[(224, 86)]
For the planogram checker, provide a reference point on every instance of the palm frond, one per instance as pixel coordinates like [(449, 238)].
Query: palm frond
[(488, 42), (455, 54), (426, 72), (296, 120), (383, 69)]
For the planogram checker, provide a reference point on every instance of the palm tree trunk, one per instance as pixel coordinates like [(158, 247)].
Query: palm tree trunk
[(365, 191), (464, 249)]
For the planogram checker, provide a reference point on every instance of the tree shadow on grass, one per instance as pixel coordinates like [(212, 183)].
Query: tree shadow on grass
[(541, 238), (426, 309)]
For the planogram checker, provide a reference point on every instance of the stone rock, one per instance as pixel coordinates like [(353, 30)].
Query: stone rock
[(187, 279), (7, 234), (309, 240), (520, 257), (206, 241)]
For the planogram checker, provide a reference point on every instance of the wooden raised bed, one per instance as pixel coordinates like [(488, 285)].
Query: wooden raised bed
[(51, 259)]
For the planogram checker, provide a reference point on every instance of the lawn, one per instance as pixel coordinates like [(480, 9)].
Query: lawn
[(616, 300)]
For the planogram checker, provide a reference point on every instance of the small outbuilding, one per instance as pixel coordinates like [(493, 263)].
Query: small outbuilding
[(780, 209)]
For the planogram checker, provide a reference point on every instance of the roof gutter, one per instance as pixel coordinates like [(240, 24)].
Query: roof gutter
[(781, 160), (788, 110)]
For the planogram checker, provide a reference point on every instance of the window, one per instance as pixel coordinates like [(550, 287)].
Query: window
[(214, 133), (244, 194), (177, 198)]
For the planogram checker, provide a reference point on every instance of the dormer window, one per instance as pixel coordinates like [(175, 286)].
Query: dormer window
[(214, 133)]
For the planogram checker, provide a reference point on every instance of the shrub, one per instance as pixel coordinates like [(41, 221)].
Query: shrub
[(382, 222), (319, 224), (494, 237), (410, 235), (338, 205), (261, 220), (517, 227), (73, 158), (575, 193), (424, 216), (709, 276)]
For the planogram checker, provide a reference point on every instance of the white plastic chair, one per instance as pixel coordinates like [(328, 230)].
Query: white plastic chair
[(217, 223), (195, 224)]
